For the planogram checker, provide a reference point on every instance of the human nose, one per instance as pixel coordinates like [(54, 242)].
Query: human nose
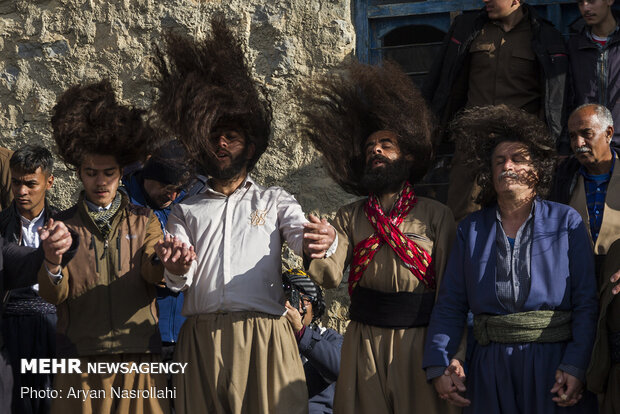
[(173, 195), (222, 141), (579, 141), (508, 165), (22, 190), (101, 179), (377, 149)]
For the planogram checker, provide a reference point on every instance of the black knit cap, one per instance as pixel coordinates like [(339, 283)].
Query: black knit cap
[(168, 165)]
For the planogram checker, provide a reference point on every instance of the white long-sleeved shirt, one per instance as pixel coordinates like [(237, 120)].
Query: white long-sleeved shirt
[(30, 236), (238, 242)]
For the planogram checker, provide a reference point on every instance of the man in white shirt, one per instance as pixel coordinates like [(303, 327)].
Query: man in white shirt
[(241, 351), (29, 327)]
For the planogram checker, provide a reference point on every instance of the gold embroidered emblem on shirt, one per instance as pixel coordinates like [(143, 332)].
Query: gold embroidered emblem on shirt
[(257, 218)]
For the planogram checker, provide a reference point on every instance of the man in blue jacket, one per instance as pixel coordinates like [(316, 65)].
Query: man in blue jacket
[(165, 180), (524, 266), (319, 347)]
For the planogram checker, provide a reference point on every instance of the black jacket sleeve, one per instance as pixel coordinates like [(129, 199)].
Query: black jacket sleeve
[(21, 265)]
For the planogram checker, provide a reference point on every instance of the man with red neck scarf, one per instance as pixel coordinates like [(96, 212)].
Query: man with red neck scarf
[(373, 128)]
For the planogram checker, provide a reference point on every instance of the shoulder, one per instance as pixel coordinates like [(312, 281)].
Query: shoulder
[(433, 207), (7, 213), (547, 30), (52, 210), (67, 214), (465, 24), (328, 334), (469, 21), (5, 156), (6, 216), (352, 208), (136, 210), (479, 221), (558, 211)]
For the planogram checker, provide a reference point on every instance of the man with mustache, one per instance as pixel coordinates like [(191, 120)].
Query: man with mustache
[(374, 130), (504, 54), (241, 350), (524, 267), (594, 53), (590, 182)]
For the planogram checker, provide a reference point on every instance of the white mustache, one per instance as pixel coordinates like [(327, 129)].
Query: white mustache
[(583, 149), (508, 174)]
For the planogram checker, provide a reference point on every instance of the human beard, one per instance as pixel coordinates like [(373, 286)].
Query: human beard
[(385, 179), (237, 165)]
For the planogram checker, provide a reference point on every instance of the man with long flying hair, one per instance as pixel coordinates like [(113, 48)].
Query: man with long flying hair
[(374, 130), (524, 266), (242, 351), (105, 297)]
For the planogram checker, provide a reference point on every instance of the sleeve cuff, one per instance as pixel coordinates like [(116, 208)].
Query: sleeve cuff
[(333, 247), (54, 277), (434, 372), (578, 373), (175, 283)]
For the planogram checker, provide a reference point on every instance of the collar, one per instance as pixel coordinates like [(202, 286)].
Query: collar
[(529, 217), (26, 222), (590, 35), (247, 183), (586, 174), (94, 207)]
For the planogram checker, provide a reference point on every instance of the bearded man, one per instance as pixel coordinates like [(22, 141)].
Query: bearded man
[(525, 268), (374, 130), (242, 351)]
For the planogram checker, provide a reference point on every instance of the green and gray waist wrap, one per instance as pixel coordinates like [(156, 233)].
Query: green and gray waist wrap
[(532, 326)]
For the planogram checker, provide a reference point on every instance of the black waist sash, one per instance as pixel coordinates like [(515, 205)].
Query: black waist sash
[(395, 310)]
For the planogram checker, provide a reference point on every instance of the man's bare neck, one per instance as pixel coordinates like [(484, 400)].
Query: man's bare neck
[(227, 187), (509, 22), (30, 214), (514, 212), (606, 27), (601, 167), (388, 200)]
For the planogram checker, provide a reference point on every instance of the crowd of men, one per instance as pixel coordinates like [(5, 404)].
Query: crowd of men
[(502, 301)]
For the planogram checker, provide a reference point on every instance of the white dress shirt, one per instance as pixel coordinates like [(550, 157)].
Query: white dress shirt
[(30, 236), (238, 242)]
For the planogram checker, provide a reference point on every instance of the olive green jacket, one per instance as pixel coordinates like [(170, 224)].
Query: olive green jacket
[(106, 297)]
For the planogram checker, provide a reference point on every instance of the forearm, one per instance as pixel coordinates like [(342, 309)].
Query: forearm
[(152, 270)]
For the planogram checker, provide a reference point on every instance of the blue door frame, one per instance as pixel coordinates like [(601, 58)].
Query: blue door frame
[(374, 20)]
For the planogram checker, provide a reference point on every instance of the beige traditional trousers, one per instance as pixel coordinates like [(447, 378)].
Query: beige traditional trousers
[(239, 362), (90, 393)]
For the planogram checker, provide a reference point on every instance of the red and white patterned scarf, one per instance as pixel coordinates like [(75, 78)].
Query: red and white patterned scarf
[(386, 228)]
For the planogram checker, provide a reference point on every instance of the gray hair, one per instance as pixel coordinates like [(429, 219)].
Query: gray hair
[(602, 114)]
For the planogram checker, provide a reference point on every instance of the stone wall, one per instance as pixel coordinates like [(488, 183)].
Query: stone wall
[(48, 45)]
